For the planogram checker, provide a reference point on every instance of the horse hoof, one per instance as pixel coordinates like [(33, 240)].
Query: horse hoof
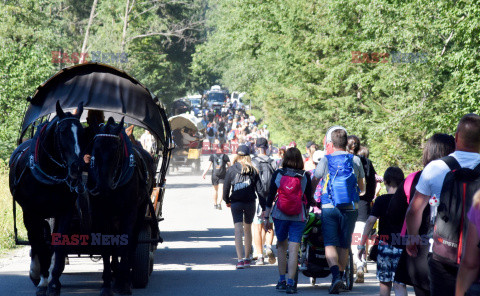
[(106, 292), (41, 291), (53, 289), (123, 289), (34, 280)]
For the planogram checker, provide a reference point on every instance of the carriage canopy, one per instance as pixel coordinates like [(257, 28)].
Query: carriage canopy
[(99, 87)]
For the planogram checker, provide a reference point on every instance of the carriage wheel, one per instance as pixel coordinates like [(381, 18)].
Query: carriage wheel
[(141, 263), (349, 271), (196, 169)]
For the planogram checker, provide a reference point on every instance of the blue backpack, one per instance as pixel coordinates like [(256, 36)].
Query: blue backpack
[(341, 182)]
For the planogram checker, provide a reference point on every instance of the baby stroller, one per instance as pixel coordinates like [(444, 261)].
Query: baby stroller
[(312, 254)]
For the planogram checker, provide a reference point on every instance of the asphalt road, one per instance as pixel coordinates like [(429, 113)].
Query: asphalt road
[(197, 257)]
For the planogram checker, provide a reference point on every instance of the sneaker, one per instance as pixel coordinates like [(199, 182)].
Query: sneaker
[(247, 262), (303, 266), (270, 255), (240, 265), (360, 275), (291, 289), (260, 261), (215, 207), (219, 207), (281, 285), (335, 286)]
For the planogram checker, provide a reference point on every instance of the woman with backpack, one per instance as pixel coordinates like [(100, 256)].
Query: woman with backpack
[(413, 271), (291, 187), (242, 185)]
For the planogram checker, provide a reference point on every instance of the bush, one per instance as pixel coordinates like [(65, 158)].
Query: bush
[(7, 236)]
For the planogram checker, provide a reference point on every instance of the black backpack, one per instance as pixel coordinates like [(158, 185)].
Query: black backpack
[(265, 172), (221, 133), (210, 132), (458, 188)]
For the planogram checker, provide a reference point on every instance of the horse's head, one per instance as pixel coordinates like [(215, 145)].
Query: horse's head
[(68, 139), (108, 156)]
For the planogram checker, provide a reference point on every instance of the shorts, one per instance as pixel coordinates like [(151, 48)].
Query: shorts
[(387, 262), (258, 220), (243, 211), (293, 230), (211, 140), (337, 226), (216, 180)]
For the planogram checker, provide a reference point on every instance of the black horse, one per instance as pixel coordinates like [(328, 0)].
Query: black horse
[(120, 184), (45, 174)]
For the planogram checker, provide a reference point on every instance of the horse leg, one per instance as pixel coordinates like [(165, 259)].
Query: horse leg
[(123, 282), (106, 276), (41, 252), (54, 286)]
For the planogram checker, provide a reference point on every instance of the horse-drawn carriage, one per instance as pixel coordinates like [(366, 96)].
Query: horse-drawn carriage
[(116, 192), (187, 134)]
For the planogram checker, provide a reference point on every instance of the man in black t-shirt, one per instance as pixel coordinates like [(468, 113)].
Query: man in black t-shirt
[(219, 164)]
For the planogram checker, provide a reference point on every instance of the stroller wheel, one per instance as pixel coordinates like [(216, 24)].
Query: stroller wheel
[(313, 281)]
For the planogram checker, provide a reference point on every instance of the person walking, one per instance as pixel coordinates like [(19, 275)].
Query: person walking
[(443, 274), (339, 203), (388, 255), (413, 271), (265, 167), (291, 187), (353, 147), (219, 164), (241, 188), (468, 278)]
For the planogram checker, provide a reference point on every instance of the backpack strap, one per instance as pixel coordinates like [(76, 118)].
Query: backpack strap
[(407, 188), (451, 162)]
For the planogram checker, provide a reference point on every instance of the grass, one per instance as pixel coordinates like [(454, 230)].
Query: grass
[(7, 236)]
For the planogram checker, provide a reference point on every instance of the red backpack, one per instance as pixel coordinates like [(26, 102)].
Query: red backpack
[(290, 193)]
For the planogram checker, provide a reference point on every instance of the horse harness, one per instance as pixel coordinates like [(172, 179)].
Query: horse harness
[(32, 151), (128, 167)]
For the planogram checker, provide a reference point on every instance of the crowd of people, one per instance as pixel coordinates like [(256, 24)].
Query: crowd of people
[(422, 239), (230, 125)]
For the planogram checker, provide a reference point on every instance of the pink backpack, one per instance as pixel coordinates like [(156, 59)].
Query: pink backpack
[(290, 194), (407, 187)]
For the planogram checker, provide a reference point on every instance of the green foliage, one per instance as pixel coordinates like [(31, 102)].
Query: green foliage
[(294, 59), (160, 38), (7, 236)]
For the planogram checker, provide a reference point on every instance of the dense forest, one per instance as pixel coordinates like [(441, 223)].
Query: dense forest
[(392, 72)]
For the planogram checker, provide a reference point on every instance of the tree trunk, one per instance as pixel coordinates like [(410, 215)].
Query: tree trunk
[(90, 20), (125, 22)]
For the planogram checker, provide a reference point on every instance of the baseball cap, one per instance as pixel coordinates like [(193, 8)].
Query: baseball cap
[(243, 150), (317, 155), (292, 144), (261, 143)]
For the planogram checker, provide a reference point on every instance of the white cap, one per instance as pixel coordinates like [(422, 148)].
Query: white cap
[(330, 130), (317, 155)]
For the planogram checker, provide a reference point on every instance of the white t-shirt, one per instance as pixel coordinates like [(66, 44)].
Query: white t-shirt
[(433, 175)]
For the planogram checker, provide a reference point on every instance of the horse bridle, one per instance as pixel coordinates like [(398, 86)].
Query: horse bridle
[(131, 158), (62, 164)]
